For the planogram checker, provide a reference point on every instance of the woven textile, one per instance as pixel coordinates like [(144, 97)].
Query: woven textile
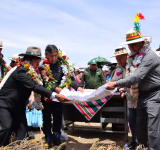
[(89, 109)]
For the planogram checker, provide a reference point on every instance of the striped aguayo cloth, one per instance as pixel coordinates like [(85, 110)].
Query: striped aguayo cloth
[(89, 109)]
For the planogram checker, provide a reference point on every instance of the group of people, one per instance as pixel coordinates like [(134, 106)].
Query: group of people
[(17, 92), (136, 76), (16, 88)]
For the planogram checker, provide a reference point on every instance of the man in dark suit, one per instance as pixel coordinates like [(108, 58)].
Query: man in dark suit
[(54, 108), (15, 89)]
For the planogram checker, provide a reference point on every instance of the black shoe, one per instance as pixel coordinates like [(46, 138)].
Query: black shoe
[(58, 142), (133, 145), (50, 145)]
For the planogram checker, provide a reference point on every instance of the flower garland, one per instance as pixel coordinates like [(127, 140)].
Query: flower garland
[(5, 69), (124, 94), (133, 62), (48, 78), (119, 76), (31, 73), (67, 69)]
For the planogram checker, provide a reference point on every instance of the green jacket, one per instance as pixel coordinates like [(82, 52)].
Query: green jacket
[(92, 79)]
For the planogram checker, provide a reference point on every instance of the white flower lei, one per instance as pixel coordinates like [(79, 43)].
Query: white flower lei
[(119, 76), (123, 92), (67, 68), (65, 71)]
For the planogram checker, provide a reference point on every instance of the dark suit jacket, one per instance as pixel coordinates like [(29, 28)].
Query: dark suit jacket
[(17, 90), (58, 74)]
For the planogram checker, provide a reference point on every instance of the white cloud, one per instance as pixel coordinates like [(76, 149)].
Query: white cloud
[(84, 29), (17, 9)]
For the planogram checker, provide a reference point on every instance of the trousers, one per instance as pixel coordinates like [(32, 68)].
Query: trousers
[(56, 109), (148, 120), (12, 122), (132, 122)]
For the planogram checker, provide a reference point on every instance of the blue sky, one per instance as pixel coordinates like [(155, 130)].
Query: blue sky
[(83, 28)]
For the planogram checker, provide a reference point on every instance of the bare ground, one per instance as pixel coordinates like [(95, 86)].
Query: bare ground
[(85, 134), (82, 138)]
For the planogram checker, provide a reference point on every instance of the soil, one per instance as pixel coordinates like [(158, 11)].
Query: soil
[(81, 138), (85, 134)]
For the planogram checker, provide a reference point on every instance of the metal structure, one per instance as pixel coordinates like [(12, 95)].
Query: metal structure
[(114, 112)]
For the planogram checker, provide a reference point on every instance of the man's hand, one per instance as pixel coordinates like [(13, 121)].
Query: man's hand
[(118, 88), (61, 98), (58, 90), (9, 68), (80, 89), (110, 86), (29, 105)]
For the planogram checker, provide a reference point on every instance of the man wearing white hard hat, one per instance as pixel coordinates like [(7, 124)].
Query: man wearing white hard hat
[(143, 76)]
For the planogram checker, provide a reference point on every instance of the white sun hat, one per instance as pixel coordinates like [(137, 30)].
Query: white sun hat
[(1, 45), (76, 69), (134, 36), (14, 57), (105, 68)]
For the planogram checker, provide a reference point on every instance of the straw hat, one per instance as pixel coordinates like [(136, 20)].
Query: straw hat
[(76, 69), (120, 51)]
